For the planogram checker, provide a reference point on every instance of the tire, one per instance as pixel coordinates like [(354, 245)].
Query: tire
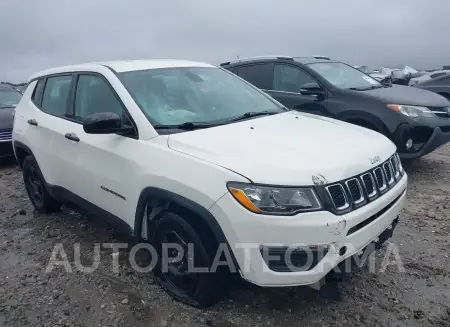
[(197, 289), (35, 186)]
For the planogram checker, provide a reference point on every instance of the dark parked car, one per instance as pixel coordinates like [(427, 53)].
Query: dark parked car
[(417, 121), (9, 98), (439, 83)]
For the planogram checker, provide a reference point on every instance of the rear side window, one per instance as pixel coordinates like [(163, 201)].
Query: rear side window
[(259, 75), (37, 93), (55, 100)]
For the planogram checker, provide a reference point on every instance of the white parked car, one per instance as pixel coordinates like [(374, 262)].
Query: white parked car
[(428, 76), (180, 153)]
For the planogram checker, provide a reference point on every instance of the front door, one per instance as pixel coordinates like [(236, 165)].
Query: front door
[(298, 90), (101, 172)]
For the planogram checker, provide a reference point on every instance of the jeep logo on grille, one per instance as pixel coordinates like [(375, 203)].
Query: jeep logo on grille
[(374, 160)]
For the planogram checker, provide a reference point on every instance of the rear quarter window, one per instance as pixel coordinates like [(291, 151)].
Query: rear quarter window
[(55, 98), (36, 97)]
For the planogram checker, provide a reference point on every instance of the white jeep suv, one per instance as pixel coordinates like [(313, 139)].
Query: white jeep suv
[(188, 155)]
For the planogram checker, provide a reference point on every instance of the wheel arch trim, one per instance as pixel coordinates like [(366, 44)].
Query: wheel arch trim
[(181, 201), (368, 118), (22, 146)]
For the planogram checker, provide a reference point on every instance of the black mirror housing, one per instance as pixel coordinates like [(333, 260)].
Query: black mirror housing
[(311, 88), (102, 123)]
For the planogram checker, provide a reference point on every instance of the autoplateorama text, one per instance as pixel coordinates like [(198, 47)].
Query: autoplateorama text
[(175, 254)]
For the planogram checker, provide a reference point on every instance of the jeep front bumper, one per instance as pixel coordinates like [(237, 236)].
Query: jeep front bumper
[(329, 238)]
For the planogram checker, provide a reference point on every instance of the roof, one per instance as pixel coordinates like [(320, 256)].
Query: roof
[(255, 58), (124, 66), (303, 60), (311, 60)]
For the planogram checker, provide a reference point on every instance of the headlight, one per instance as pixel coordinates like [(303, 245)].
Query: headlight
[(411, 111), (274, 200)]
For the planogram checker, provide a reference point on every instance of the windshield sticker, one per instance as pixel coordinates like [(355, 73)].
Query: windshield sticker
[(370, 80)]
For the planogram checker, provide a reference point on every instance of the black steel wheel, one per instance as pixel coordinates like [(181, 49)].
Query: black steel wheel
[(35, 187), (175, 238)]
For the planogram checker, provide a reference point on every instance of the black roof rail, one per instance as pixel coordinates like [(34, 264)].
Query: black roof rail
[(257, 57), (315, 57)]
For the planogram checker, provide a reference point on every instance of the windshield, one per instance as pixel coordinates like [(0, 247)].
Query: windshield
[(171, 96), (9, 98), (344, 76)]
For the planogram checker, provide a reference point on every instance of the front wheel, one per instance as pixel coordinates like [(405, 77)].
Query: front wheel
[(35, 186), (176, 240)]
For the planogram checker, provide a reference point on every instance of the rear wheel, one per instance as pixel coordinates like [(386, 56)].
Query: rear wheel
[(175, 238), (35, 186)]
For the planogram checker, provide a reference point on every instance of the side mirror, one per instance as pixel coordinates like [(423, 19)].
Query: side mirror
[(102, 123), (311, 89), (311, 86)]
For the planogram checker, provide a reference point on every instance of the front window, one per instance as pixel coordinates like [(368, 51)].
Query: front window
[(171, 96), (9, 98), (344, 76)]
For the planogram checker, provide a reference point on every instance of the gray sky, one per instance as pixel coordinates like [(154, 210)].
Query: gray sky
[(35, 35)]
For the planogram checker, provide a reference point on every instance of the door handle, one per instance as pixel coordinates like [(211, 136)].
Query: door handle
[(72, 137), (32, 122)]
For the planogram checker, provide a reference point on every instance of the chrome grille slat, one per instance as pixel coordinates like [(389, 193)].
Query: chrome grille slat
[(369, 185), (400, 167), (394, 164), (336, 191), (380, 179), (356, 191), (388, 172)]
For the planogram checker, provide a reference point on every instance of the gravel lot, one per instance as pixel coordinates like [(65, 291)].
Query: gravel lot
[(29, 296)]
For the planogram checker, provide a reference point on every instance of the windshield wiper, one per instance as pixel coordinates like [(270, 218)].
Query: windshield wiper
[(365, 88), (252, 114), (186, 126)]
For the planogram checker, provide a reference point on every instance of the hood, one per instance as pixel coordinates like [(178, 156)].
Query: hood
[(6, 118), (399, 94), (287, 148)]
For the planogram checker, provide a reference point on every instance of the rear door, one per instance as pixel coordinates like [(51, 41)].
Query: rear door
[(46, 126)]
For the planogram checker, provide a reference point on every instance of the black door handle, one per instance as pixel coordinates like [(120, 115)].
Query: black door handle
[(32, 122), (72, 137)]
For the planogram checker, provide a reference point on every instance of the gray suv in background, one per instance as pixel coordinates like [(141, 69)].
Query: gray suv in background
[(9, 98)]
